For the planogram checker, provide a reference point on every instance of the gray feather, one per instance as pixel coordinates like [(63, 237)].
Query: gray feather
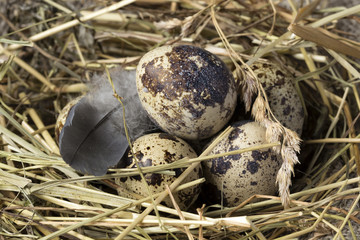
[(93, 137)]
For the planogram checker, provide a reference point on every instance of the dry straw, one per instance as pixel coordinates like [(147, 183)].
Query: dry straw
[(49, 49)]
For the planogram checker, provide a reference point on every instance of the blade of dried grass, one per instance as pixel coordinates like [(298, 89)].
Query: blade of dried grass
[(356, 95), (255, 230), (72, 23), (333, 140), (13, 179), (344, 13), (21, 141), (97, 64), (74, 88), (306, 11), (111, 17), (29, 69), (77, 208), (141, 231), (351, 228), (181, 216), (78, 50), (344, 63), (40, 125), (297, 195), (30, 130), (234, 152), (85, 194), (64, 221), (21, 43), (320, 86), (58, 6), (326, 39), (5, 66)]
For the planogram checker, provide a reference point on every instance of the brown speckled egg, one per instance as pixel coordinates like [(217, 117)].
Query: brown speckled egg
[(60, 121), (156, 149), (187, 91), (283, 98), (232, 179)]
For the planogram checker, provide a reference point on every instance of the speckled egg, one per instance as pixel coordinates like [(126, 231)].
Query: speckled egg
[(232, 179), (187, 91), (61, 119), (156, 149), (283, 98)]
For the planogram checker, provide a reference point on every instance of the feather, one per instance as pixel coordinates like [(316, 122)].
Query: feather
[(93, 137)]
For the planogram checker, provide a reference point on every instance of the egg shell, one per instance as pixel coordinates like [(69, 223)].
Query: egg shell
[(156, 149), (187, 91), (232, 179), (283, 98), (61, 119)]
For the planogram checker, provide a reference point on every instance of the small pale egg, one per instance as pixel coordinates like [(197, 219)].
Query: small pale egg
[(61, 119), (157, 149), (232, 179), (187, 91), (283, 98)]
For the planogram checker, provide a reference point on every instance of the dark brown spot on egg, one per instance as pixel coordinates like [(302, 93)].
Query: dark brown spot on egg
[(235, 134), (283, 101), (169, 157), (258, 155), (154, 179), (280, 77), (287, 110), (252, 167), (253, 183), (220, 165)]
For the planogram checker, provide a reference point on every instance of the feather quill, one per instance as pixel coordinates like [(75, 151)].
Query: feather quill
[(93, 137)]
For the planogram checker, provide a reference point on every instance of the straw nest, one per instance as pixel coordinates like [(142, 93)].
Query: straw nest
[(50, 49)]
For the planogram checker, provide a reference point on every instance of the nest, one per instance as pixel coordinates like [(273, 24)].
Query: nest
[(50, 49)]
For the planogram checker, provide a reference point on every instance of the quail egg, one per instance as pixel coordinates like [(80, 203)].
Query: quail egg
[(283, 98), (186, 90), (232, 179), (156, 149)]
